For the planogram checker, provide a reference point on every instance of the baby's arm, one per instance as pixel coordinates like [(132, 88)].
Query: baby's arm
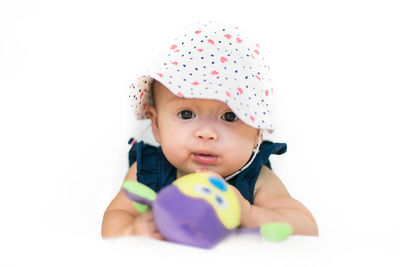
[(122, 218), (272, 203)]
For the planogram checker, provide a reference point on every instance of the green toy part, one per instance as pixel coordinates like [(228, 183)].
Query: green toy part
[(142, 191), (276, 231), (140, 207)]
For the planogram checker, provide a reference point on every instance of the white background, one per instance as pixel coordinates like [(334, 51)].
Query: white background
[(65, 71)]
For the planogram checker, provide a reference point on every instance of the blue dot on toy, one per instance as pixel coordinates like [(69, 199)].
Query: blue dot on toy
[(206, 190), (219, 199), (217, 183)]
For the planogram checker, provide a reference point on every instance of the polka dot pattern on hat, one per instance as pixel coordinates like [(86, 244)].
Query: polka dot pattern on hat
[(211, 62)]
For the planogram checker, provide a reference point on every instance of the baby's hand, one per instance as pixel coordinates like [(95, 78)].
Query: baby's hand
[(144, 225), (243, 203)]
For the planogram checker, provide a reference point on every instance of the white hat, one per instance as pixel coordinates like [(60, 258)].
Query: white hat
[(211, 62)]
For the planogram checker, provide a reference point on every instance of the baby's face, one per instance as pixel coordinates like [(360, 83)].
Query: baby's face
[(198, 134)]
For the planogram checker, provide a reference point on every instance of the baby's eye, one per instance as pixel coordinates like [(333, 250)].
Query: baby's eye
[(229, 116), (186, 114)]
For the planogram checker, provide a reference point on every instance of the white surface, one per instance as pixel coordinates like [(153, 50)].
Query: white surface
[(65, 68)]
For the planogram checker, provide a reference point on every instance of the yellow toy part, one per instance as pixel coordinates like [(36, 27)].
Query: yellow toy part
[(216, 192)]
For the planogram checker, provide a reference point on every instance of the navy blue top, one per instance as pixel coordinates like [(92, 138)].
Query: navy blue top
[(155, 171)]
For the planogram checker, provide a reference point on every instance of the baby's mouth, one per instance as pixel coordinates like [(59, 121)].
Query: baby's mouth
[(205, 158)]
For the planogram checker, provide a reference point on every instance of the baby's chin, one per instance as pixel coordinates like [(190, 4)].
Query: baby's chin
[(209, 169)]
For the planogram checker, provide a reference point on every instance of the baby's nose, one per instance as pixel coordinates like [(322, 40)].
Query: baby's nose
[(206, 133)]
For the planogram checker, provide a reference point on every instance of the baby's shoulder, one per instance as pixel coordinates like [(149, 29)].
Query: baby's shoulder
[(268, 184), (132, 172)]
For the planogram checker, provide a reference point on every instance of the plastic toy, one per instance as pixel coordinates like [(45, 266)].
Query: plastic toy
[(197, 210)]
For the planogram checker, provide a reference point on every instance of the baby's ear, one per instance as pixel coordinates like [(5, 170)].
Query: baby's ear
[(154, 123)]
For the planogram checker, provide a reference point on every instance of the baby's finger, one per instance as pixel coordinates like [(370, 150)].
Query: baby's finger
[(147, 215), (157, 235), (151, 226)]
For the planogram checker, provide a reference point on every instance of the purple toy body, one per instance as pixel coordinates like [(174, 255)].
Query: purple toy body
[(187, 220)]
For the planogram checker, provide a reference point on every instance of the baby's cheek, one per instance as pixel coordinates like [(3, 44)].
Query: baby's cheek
[(168, 136), (174, 151), (240, 154)]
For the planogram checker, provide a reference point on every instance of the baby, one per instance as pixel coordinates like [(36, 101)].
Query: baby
[(209, 103)]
